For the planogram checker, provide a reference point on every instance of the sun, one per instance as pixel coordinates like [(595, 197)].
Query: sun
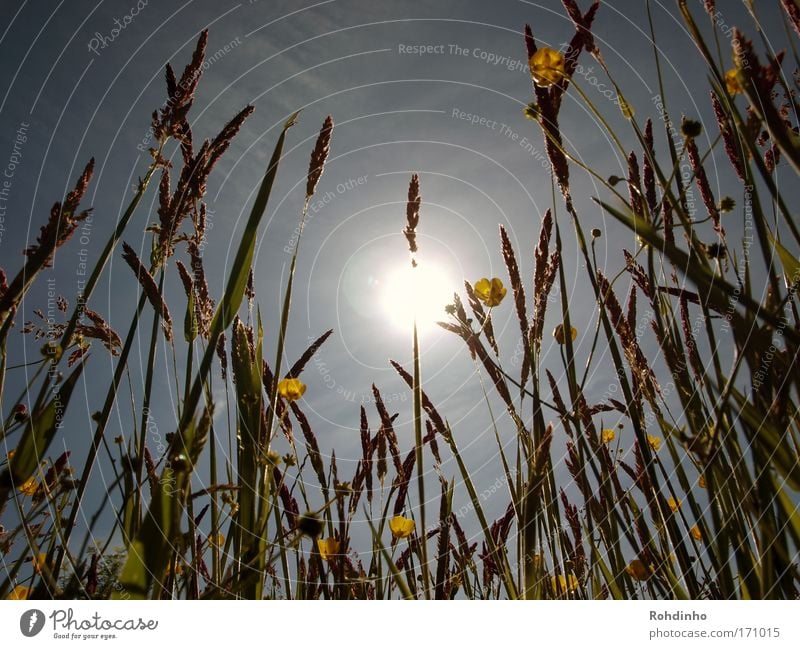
[(420, 292)]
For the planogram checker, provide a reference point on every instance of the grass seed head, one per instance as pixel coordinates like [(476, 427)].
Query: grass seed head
[(318, 156)]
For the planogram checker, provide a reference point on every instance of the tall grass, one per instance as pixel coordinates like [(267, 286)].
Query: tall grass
[(680, 482)]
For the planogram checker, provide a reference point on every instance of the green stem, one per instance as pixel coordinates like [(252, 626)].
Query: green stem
[(420, 469), (99, 434)]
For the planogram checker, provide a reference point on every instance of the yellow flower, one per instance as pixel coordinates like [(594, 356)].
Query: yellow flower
[(607, 435), (673, 504), (291, 389), (52, 350), (654, 442), (558, 334), (401, 527), (217, 540), (732, 82), (562, 584), (531, 111), (701, 482), (547, 67), (327, 548), (637, 570), (491, 293), (38, 561), (697, 535), (178, 569), (19, 592), (29, 487)]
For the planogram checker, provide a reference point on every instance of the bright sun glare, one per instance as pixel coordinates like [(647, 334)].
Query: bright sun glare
[(422, 291)]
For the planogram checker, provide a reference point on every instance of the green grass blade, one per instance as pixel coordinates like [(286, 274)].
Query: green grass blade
[(37, 437)]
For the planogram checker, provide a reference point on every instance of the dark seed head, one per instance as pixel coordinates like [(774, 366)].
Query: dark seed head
[(691, 127), (180, 462), (310, 525), (20, 412), (726, 204), (715, 251)]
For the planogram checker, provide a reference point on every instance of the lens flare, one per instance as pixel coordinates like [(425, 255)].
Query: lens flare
[(420, 292)]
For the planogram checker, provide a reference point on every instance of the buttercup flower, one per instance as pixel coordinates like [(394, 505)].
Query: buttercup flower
[(490, 292), (558, 334), (38, 562), (52, 350), (732, 83), (547, 67), (654, 442), (327, 548), (178, 569), (562, 584), (607, 435), (291, 389), (637, 570), (401, 527), (29, 487), (697, 535), (19, 592)]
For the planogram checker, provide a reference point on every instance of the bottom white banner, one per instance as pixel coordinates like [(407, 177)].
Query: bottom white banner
[(388, 625)]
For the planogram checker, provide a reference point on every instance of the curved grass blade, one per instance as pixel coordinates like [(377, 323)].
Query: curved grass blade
[(37, 437)]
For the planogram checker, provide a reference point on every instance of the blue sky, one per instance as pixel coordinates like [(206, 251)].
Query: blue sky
[(452, 113)]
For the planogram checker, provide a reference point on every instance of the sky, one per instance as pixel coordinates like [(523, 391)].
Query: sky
[(435, 88)]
